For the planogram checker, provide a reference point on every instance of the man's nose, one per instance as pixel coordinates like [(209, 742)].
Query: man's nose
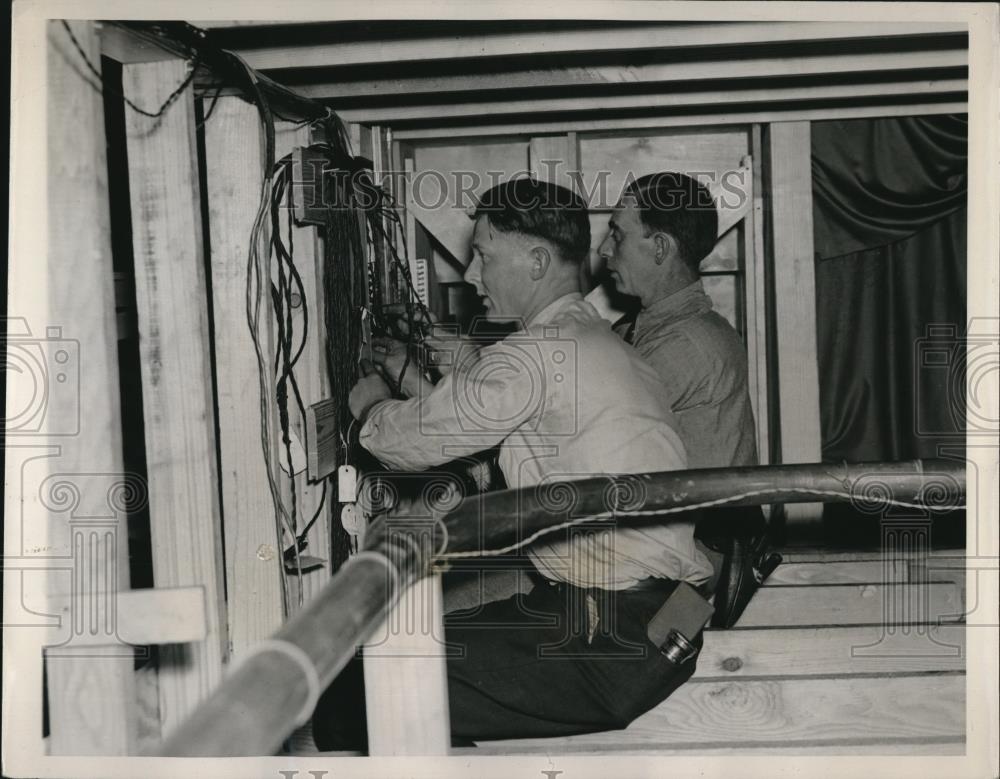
[(472, 272), (606, 248)]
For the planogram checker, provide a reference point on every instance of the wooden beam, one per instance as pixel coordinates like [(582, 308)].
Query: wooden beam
[(406, 679), (234, 152), (665, 99), (174, 346), (634, 37), (520, 129), (789, 188), (169, 615), (123, 46), (733, 70), (90, 692), (782, 713), (756, 292)]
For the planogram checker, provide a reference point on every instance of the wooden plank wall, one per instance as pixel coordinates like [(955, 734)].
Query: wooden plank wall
[(234, 154), (90, 696), (178, 407)]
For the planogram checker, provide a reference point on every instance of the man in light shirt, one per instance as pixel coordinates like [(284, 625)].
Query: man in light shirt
[(566, 399)]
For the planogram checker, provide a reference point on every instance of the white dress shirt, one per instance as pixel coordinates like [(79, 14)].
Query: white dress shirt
[(568, 400)]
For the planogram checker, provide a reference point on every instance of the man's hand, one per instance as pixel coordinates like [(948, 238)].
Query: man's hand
[(370, 389), (390, 357), (442, 342)]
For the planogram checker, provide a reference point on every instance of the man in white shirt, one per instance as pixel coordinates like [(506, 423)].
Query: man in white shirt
[(566, 399)]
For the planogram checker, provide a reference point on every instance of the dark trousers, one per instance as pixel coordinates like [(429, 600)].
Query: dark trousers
[(524, 667)]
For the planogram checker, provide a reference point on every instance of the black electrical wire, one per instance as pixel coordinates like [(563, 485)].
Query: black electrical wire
[(97, 73)]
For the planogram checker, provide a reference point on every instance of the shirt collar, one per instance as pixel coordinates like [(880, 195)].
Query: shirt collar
[(549, 313), (682, 303)]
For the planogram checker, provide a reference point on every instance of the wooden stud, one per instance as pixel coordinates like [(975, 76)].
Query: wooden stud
[(172, 305), (234, 152), (406, 679), (80, 539), (755, 296), (791, 227)]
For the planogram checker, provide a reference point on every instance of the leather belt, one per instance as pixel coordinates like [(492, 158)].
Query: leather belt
[(649, 584)]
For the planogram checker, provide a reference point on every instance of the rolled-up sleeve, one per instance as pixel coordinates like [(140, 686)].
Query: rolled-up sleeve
[(481, 402)]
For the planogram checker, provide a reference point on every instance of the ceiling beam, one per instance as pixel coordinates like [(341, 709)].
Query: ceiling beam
[(612, 75), (666, 122), (626, 38), (659, 100)]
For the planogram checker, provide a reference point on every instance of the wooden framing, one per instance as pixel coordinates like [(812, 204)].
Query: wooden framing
[(406, 680), (91, 692), (755, 297), (742, 675), (737, 116), (172, 305), (636, 37), (918, 91), (651, 74), (234, 154), (789, 188)]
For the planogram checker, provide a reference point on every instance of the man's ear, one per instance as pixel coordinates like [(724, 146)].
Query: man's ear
[(541, 258), (665, 247)]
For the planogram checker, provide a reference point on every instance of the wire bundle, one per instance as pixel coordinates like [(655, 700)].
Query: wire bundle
[(360, 230)]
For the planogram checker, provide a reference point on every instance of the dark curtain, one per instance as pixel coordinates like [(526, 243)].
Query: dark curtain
[(889, 210)]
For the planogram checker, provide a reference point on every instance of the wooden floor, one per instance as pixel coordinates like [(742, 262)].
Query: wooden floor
[(816, 666), (839, 653)]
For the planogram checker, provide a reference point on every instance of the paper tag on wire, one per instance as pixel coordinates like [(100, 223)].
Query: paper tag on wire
[(347, 484)]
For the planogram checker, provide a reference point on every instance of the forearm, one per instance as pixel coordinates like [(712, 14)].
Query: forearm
[(422, 432)]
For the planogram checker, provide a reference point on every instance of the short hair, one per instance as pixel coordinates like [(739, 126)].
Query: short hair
[(539, 209), (681, 206)]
